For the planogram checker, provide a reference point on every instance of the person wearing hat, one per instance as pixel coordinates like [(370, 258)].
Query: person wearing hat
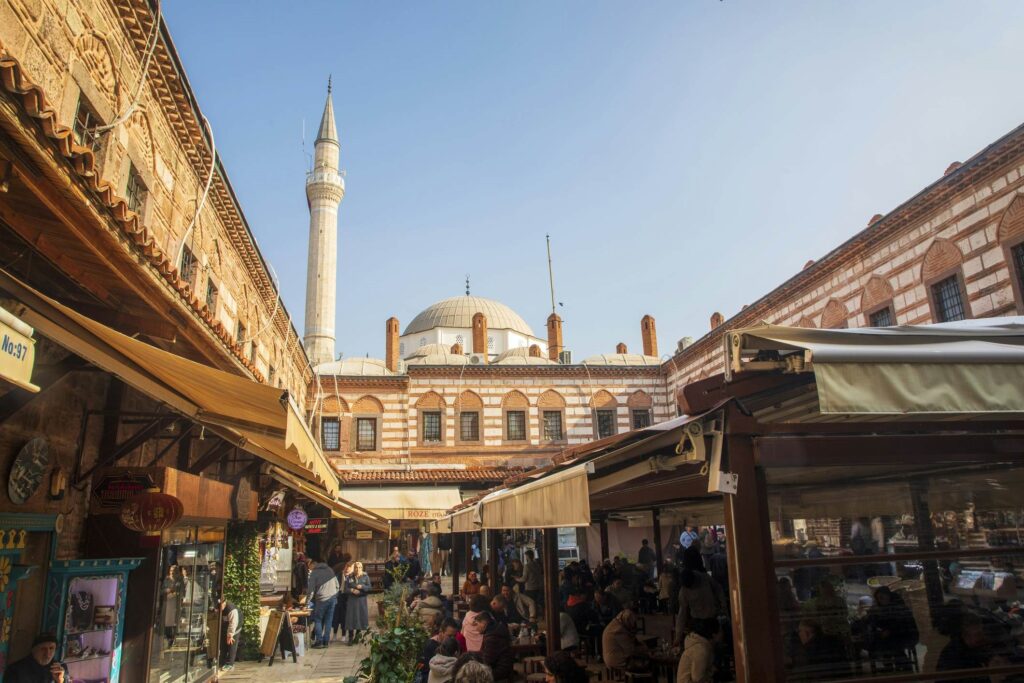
[(41, 665)]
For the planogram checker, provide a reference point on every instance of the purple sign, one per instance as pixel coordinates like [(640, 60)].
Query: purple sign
[(297, 519)]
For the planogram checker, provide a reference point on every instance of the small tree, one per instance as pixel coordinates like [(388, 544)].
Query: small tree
[(396, 639)]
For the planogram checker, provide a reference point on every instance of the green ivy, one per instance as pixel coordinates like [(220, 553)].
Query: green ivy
[(395, 641), (242, 583)]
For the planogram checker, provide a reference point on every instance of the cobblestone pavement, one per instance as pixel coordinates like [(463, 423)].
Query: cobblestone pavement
[(316, 666)]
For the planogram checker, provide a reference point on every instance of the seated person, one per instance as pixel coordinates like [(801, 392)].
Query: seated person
[(623, 596), (562, 668), (497, 646), (40, 665), (569, 637), (697, 663), (505, 612), (471, 586), (430, 606), (620, 648), (442, 664), (968, 647), (606, 607), (521, 603), (890, 630), (818, 655), (471, 630)]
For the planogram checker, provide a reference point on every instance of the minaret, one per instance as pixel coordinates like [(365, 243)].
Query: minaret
[(325, 189)]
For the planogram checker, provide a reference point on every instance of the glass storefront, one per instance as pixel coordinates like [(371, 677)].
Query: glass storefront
[(911, 574), (191, 565)]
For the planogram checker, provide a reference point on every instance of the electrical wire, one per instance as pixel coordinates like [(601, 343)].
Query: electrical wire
[(150, 49), (206, 192)]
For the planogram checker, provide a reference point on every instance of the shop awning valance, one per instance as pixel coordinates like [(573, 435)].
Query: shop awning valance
[(966, 368), (256, 417), (409, 502), (441, 526), (466, 520), (559, 500), (339, 507)]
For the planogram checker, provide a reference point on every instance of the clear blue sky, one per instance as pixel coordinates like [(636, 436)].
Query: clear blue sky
[(685, 157)]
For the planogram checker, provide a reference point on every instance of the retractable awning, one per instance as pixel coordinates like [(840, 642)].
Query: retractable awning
[(409, 502), (972, 367), (256, 417), (559, 500), (339, 507)]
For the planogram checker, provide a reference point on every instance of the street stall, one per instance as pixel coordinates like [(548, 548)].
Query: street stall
[(868, 486)]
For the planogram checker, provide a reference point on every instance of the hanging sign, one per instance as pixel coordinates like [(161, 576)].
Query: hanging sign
[(316, 526), (17, 352), (113, 490), (297, 519), (365, 535)]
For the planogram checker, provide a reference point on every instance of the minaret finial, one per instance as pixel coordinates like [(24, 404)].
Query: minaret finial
[(467, 284), (328, 84)]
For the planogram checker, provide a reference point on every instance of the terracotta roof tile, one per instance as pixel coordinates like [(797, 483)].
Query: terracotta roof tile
[(485, 474)]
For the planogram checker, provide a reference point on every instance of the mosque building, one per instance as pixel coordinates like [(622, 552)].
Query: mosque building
[(468, 396)]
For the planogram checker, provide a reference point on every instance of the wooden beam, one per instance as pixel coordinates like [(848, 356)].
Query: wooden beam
[(603, 526), (493, 541), (454, 562), (140, 437), (756, 629), (659, 559), (549, 557), (210, 456), (890, 449)]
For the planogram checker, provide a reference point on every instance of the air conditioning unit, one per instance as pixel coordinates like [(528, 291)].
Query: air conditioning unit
[(565, 357), (477, 359)]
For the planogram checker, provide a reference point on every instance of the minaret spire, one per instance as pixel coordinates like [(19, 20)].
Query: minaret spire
[(325, 188)]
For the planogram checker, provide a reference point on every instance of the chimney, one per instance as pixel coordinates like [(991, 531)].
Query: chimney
[(621, 348), (457, 349), (391, 344), (480, 334), (716, 320), (554, 337), (534, 351), (650, 336)]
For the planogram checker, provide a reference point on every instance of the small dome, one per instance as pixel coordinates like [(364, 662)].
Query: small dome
[(428, 350), (442, 357), (355, 367), (622, 359), (520, 356), (458, 312)]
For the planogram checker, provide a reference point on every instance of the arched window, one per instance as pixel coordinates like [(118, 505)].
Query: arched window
[(640, 409), (876, 302), (1011, 236), (605, 411), (431, 413), (834, 315), (367, 414), (552, 414), (470, 408), (515, 408), (943, 277)]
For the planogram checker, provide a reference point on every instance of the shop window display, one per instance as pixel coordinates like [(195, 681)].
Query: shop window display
[(191, 562), (916, 574)]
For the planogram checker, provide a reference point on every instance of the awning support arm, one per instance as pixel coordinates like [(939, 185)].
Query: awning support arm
[(128, 445)]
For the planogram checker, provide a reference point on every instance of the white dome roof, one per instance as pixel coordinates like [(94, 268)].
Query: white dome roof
[(355, 367), (520, 356), (458, 312), (435, 354), (621, 359)]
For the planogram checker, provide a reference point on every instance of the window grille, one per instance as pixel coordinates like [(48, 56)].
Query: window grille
[(515, 425), (432, 426), (469, 426), (605, 423), (881, 318), (553, 425), (949, 305), (135, 190), (641, 418), (366, 434), (330, 433)]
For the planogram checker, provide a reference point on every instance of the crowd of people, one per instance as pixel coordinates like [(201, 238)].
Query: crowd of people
[(336, 590)]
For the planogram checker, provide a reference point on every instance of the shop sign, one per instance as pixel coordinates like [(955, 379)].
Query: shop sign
[(17, 356), (113, 490), (316, 526), (297, 519), (424, 514), (364, 535), (31, 464)]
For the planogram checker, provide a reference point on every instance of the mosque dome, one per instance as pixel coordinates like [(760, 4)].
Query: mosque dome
[(458, 312), (435, 354), (355, 367), (632, 359)]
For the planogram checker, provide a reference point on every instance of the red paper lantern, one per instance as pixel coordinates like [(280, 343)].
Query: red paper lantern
[(150, 513)]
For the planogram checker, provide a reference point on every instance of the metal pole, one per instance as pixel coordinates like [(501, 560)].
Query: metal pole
[(551, 274), (603, 525), (659, 559), (454, 560), (494, 538)]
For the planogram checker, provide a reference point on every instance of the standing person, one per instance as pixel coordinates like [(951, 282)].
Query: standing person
[(300, 576), (698, 660), (357, 615), (323, 593), (339, 609), (668, 589), (231, 633), (393, 563), (171, 590), (687, 537), (699, 596), (40, 665), (533, 578), (335, 556), (646, 558)]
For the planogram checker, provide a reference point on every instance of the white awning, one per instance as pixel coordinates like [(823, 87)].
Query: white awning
[(965, 368), (559, 500), (339, 508), (409, 502)]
